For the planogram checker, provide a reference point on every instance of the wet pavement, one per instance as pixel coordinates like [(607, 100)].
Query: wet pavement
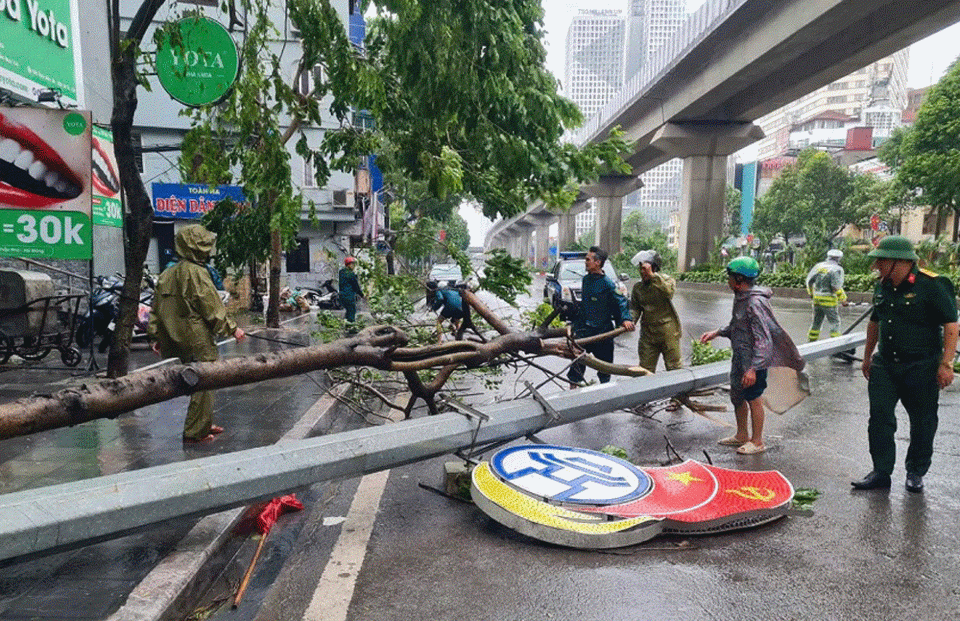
[(861, 555), (92, 582), (872, 556)]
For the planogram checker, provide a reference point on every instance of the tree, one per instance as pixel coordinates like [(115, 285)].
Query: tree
[(810, 198), (930, 151), (732, 206), (462, 97), (138, 224)]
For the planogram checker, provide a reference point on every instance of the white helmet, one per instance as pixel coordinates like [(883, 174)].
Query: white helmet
[(647, 256), (834, 254)]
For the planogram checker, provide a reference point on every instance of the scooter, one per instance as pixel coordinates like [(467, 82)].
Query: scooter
[(326, 298), (100, 319)]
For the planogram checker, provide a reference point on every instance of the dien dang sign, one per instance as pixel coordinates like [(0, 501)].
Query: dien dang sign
[(190, 201)]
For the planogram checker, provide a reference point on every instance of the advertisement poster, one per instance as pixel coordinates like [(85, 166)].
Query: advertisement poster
[(107, 208), (45, 185), (39, 48), (190, 201)]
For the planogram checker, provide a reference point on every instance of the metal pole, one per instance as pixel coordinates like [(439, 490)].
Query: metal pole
[(49, 519)]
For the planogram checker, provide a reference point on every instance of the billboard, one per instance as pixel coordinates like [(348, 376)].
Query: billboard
[(39, 48), (190, 201), (107, 207), (45, 185)]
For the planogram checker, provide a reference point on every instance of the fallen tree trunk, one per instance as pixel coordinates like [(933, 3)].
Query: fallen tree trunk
[(379, 347), (110, 398)]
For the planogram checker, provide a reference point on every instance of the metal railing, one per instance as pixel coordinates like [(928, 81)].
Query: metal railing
[(49, 519)]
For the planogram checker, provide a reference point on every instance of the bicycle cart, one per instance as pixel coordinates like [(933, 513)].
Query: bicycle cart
[(33, 321)]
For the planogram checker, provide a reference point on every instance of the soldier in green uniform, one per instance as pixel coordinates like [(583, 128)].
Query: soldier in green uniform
[(651, 303), (914, 322), (349, 291), (600, 308)]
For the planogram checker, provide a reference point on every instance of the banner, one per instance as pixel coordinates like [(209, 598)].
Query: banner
[(190, 201), (38, 48), (107, 207), (45, 184)]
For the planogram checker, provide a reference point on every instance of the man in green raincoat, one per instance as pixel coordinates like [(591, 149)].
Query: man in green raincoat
[(186, 319)]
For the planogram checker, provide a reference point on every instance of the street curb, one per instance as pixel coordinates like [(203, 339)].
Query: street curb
[(854, 297), (174, 578)]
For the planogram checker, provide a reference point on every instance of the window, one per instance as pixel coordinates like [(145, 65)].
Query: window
[(298, 259), (310, 79)]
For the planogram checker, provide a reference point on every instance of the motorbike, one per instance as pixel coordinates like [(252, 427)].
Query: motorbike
[(100, 319), (325, 298)]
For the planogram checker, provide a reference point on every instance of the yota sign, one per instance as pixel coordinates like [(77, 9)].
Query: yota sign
[(45, 184), (39, 49), (197, 61)]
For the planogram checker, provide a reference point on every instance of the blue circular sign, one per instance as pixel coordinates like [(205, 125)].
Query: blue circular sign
[(562, 474)]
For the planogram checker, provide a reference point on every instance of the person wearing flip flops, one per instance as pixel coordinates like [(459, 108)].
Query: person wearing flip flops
[(759, 343), (186, 318)]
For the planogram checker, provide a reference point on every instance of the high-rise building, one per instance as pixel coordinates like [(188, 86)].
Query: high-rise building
[(593, 71), (875, 95), (651, 23)]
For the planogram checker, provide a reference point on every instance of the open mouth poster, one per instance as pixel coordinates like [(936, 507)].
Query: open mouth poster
[(45, 183)]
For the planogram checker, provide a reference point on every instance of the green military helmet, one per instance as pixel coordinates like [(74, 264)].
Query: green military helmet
[(745, 266), (894, 247)]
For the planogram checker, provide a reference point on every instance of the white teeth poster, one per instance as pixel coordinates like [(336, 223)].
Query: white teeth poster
[(45, 183)]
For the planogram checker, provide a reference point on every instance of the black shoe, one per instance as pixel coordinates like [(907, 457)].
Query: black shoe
[(874, 480), (914, 483)]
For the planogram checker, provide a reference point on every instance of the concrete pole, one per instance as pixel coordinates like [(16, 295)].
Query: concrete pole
[(701, 210)]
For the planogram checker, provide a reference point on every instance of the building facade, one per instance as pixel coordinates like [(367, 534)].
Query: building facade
[(876, 93)]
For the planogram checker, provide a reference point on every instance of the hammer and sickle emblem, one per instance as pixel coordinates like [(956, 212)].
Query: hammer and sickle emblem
[(754, 493)]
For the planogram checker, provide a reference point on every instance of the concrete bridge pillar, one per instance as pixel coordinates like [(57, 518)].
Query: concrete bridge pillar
[(566, 231), (541, 255), (609, 192), (704, 149), (526, 242)]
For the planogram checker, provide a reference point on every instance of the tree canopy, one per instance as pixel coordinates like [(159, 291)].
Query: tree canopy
[(814, 198), (929, 152)]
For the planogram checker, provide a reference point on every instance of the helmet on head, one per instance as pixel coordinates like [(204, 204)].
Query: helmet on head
[(432, 284), (647, 256), (894, 247), (834, 254), (745, 266), (349, 260)]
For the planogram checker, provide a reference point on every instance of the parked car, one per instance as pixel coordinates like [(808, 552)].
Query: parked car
[(449, 273), (565, 280)]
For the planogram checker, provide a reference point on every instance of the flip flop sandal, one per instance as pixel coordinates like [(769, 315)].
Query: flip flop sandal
[(215, 429), (731, 441), (751, 449)]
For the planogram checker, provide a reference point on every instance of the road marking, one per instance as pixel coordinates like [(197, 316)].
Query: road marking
[(332, 598)]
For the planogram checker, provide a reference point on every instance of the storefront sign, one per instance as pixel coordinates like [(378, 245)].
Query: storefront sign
[(190, 201), (45, 184), (107, 208), (199, 66), (39, 48)]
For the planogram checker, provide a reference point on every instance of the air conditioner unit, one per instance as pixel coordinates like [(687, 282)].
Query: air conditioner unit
[(340, 198)]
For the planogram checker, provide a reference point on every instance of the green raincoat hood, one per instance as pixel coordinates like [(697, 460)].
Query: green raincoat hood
[(194, 243)]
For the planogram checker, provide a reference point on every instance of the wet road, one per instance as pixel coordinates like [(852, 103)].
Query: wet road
[(862, 555)]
